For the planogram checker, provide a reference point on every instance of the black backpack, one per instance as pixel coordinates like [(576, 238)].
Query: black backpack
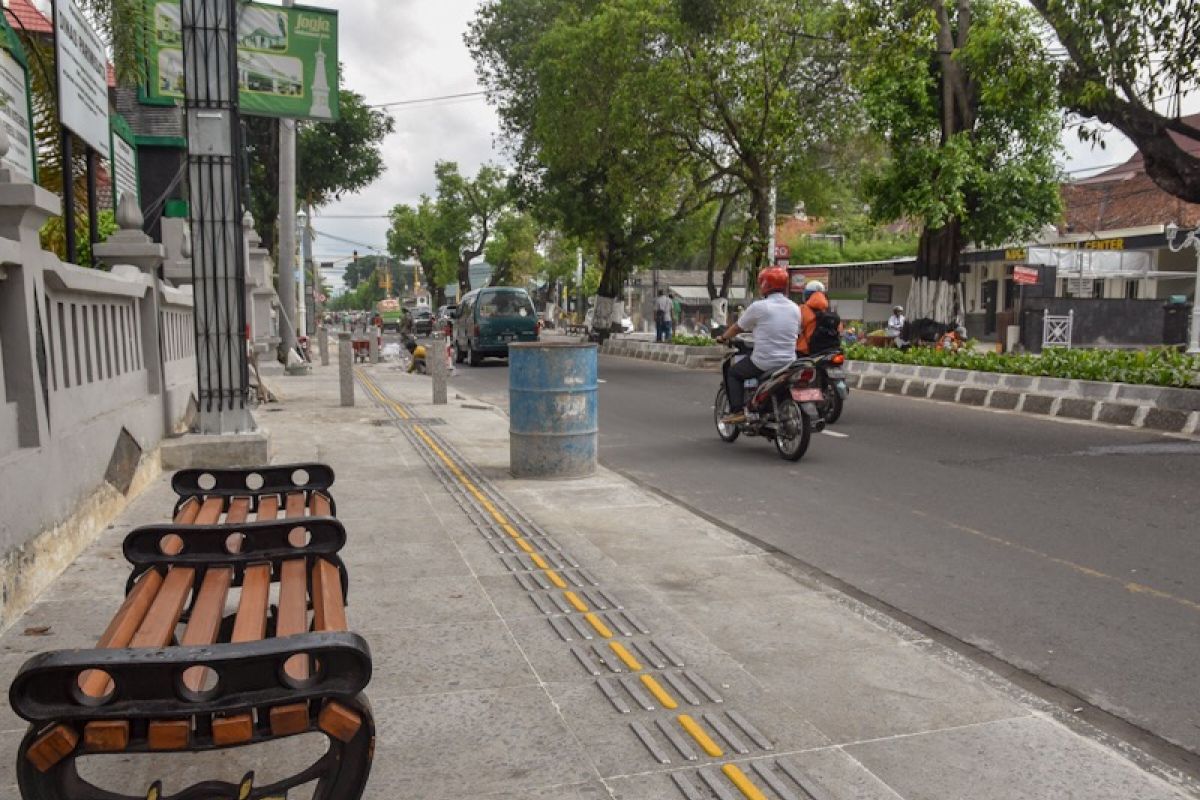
[(827, 335)]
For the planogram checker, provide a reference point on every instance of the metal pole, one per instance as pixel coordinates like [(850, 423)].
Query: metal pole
[(310, 266), (68, 177), (286, 288), (1194, 335), (302, 290), (218, 260), (93, 210)]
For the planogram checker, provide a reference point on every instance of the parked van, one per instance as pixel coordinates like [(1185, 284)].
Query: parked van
[(490, 319)]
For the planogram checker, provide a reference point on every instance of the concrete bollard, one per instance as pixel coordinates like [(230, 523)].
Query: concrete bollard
[(435, 360), (373, 335), (323, 344), (346, 368)]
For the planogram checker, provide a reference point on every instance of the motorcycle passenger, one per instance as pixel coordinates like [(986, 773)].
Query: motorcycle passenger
[(816, 309), (775, 322)]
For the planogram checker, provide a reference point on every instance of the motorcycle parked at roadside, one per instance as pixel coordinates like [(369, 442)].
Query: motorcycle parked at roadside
[(831, 378), (781, 406)]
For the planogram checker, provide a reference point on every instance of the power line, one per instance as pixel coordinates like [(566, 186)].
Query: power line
[(436, 99)]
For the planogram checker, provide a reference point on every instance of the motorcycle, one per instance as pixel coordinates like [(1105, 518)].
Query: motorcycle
[(831, 378), (782, 405)]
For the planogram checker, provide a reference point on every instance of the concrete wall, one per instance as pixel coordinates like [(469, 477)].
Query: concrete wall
[(1097, 322), (97, 368)]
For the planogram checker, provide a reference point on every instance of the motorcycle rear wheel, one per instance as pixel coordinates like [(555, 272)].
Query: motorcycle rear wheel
[(789, 415), (833, 405), (728, 433)]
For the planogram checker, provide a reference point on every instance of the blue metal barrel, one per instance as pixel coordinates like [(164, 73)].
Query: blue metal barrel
[(552, 409)]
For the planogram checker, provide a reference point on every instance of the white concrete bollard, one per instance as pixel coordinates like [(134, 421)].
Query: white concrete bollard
[(346, 368)]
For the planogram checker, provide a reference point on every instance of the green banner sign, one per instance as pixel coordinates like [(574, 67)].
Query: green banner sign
[(287, 59)]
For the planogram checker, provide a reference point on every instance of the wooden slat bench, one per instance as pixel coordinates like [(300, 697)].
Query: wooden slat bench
[(197, 658)]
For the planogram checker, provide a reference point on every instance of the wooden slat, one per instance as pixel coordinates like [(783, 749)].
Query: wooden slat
[(239, 510), (329, 607), (106, 735), (338, 721), (169, 734), (205, 620), (159, 625), (188, 511), (292, 616), (294, 506), (210, 512), (250, 625), (268, 508), (290, 719), (319, 505), (52, 747), (233, 729)]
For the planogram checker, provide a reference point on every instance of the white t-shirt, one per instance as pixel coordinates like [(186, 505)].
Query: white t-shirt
[(775, 323), (663, 303)]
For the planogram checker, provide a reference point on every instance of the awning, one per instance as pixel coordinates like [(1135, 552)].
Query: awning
[(1095, 264), (698, 295)]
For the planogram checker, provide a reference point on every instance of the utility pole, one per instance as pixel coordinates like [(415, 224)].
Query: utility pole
[(286, 288), (310, 267), (218, 255)]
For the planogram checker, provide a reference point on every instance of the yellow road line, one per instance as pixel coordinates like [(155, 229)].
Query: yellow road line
[(574, 600), (696, 732), (600, 627), (661, 694), (511, 531), (743, 783), (524, 545), (625, 656), (557, 581), (539, 562)]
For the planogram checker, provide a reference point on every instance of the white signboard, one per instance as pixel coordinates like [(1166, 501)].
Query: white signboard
[(14, 115), (82, 76), (124, 170)]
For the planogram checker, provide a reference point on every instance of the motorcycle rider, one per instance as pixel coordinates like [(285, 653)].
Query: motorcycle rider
[(775, 322), (815, 303)]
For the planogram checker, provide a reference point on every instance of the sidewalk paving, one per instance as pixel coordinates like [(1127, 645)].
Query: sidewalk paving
[(479, 692)]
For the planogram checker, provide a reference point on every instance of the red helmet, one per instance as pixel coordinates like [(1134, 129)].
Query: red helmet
[(772, 279)]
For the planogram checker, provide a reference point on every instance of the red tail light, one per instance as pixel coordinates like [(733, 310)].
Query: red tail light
[(838, 359), (806, 375)]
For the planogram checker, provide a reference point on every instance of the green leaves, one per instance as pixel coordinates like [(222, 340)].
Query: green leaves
[(1156, 366)]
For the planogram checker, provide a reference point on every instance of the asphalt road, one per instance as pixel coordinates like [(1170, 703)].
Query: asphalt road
[(1069, 551)]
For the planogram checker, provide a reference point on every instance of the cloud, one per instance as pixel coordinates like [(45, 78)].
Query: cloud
[(405, 50)]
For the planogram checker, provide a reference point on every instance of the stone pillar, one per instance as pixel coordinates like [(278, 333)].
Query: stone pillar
[(435, 361), (130, 245), (346, 368), (24, 207), (323, 344), (373, 343)]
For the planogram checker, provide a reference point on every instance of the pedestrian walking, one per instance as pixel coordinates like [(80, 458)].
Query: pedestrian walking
[(663, 309)]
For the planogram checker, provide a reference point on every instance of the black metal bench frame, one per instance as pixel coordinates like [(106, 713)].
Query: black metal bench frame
[(148, 685)]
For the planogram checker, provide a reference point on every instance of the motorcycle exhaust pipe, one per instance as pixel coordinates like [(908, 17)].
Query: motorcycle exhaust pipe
[(816, 423)]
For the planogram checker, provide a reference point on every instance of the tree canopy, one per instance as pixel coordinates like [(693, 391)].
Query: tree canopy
[(963, 93), (1128, 63)]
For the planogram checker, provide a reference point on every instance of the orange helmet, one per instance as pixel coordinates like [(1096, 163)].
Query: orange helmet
[(772, 279)]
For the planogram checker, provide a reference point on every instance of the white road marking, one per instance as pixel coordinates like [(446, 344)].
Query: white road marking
[(601, 380), (835, 434)]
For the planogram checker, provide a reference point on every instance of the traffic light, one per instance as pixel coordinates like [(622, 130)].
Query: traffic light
[(355, 256)]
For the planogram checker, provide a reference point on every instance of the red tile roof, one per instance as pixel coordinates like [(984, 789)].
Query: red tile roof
[(23, 16), (1125, 197)]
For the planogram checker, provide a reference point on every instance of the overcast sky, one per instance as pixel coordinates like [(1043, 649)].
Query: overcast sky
[(410, 49)]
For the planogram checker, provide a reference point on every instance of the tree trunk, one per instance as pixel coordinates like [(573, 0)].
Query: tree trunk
[(714, 240), (764, 214), (610, 306), (936, 292), (464, 276)]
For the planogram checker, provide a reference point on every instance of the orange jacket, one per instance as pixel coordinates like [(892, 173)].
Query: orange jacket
[(808, 319)]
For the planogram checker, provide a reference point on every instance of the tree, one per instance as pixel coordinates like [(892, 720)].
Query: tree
[(1128, 63), (758, 87), (467, 212), (416, 233), (963, 93), (332, 159), (573, 81), (513, 250)]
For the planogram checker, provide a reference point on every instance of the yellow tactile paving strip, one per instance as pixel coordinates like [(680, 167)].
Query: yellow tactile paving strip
[(686, 722)]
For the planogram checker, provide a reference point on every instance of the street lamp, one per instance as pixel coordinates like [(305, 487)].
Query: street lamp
[(1171, 231)]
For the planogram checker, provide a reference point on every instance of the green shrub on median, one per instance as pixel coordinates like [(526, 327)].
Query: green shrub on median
[(1160, 366), (692, 341)]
